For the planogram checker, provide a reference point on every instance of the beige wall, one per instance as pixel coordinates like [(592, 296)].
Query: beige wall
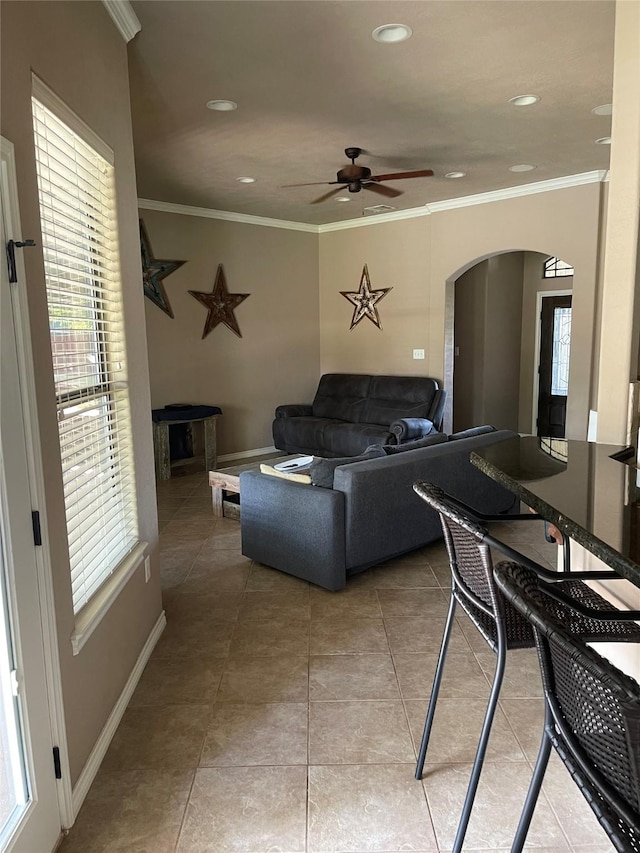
[(488, 316), (397, 256), (503, 313), (76, 50), (277, 358), (421, 258), (563, 223), (469, 341), (620, 313)]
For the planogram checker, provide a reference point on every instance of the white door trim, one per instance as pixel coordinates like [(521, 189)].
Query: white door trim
[(540, 295), (36, 483)]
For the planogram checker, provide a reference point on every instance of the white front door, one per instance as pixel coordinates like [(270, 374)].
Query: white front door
[(29, 811)]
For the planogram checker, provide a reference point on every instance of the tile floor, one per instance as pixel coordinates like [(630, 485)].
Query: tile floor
[(276, 716)]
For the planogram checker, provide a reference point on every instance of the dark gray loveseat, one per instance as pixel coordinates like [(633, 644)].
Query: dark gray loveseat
[(369, 516), (350, 411)]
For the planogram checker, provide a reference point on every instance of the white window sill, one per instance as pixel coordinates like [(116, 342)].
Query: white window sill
[(94, 612)]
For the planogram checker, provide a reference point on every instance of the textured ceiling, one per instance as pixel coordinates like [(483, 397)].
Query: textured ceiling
[(309, 81)]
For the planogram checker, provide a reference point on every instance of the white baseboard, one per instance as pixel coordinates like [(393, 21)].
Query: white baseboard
[(259, 451), (81, 788)]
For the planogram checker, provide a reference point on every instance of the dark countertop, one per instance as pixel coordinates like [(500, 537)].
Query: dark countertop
[(577, 486)]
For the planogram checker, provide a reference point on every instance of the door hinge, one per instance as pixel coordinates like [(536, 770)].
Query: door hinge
[(12, 245), (57, 769), (35, 523)]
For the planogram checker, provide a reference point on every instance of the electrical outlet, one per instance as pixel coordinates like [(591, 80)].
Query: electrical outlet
[(147, 569), (418, 353)]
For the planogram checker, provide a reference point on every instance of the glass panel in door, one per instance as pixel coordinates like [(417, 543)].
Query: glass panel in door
[(13, 781)]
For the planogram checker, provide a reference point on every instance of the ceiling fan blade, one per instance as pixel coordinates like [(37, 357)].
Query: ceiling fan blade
[(327, 195), (381, 190), (314, 184), (419, 173)]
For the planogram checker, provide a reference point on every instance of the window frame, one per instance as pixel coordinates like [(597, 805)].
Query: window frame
[(551, 268), (89, 614)]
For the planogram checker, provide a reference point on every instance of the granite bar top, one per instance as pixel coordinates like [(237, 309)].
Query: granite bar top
[(589, 491)]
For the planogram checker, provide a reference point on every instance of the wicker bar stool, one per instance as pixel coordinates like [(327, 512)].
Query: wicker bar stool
[(503, 627), (592, 713)]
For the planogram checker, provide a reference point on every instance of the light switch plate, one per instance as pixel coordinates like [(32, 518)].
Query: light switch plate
[(418, 353)]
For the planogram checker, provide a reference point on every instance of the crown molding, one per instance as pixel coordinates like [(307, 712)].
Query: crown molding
[(375, 219), (225, 215), (411, 213), (123, 17), (517, 192)]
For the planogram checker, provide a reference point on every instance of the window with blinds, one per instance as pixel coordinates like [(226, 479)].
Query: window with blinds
[(80, 245)]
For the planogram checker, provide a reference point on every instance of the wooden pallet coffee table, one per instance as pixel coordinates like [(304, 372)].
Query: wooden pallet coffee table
[(228, 480)]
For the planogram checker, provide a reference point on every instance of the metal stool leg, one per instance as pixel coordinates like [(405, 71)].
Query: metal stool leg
[(433, 699), (482, 748), (534, 786)]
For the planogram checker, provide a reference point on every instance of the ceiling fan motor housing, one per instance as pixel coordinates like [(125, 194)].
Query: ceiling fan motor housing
[(352, 173)]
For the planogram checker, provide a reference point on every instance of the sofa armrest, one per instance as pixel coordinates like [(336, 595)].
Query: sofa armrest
[(293, 410), (406, 429), (293, 527), (436, 412)]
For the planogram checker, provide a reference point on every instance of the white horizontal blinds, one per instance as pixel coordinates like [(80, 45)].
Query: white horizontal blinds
[(79, 238)]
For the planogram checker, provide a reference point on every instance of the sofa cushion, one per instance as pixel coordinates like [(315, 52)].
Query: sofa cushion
[(394, 397), (345, 439), (425, 441), (322, 470), (300, 433), (341, 396), (469, 433)]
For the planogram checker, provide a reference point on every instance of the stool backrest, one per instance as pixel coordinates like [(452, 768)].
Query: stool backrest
[(596, 708), (472, 569)]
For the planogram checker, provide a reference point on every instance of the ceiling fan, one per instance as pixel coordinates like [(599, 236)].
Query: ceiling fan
[(357, 178)]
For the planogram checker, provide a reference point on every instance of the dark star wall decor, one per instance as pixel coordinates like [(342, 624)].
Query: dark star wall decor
[(221, 305), (153, 271), (365, 300)]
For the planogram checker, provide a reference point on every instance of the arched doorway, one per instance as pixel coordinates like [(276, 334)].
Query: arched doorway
[(493, 343)]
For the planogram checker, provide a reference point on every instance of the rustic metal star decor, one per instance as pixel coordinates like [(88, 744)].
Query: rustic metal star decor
[(221, 305), (365, 300), (153, 271)]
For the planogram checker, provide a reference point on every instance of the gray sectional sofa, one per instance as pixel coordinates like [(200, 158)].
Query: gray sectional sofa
[(352, 410), (369, 516)]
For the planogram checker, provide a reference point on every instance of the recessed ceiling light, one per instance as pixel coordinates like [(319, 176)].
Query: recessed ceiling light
[(524, 100), (603, 110), (522, 167), (342, 198), (392, 33), (246, 180), (604, 140), (222, 106), (455, 175)]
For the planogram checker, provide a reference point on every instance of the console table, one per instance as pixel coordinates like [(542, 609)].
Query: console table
[(164, 418)]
